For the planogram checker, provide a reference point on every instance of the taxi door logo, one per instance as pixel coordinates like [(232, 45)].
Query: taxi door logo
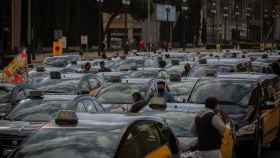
[(57, 48)]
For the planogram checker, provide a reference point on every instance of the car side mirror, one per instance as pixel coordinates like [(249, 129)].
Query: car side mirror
[(267, 105)]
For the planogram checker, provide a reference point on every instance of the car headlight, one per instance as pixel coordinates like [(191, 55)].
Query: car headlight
[(247, 130)]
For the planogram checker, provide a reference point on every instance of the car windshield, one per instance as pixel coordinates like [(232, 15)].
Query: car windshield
[(61, 61), (179, 122), (70, 143), (227, 92), (120, 93), (63, 87), (58, 86), (56, 62), (144, 74), (201, 71), (37, 110), (182, 89)]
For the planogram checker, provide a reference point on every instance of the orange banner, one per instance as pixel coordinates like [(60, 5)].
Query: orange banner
[(13, 72)]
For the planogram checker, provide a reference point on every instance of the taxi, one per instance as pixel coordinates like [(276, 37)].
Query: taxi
[(68, 83), (31, 114), (117, 96), (101, 136), (180, 117), (251, 100), (220, 65)]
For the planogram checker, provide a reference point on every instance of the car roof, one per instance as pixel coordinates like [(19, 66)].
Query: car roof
[(135, 81), (101, 121), (227, 61), (248, 76), (59, 97), (177, 107)]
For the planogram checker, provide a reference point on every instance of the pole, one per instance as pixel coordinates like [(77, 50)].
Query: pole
[(99, 28), (184, 32), (225, 29), (261, 19), (248, 28), (213, 30), (29, 32), (167, 19), (149, 25), (126, 27)]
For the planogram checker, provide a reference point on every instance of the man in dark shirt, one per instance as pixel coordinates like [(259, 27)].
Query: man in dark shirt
[(209, 128), (139, 102)]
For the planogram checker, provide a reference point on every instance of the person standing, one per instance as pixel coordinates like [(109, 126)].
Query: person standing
[(139, 102), (187, 69), (141, 45), (103, 68), (209, 127)]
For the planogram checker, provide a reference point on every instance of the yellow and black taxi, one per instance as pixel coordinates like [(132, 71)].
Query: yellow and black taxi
[(180, 117), (32, 113), (101, 136), (250, 100)]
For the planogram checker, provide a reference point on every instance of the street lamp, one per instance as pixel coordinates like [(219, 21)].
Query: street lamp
[(126, 4), (213, 11), (225, 22), (100, 2)]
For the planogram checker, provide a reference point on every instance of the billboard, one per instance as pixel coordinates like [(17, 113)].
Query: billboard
[(166, 13)]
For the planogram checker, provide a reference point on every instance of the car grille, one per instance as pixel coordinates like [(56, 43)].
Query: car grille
[(9, 143)]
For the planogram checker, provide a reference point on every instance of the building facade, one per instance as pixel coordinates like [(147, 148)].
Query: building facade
[(241, 20)]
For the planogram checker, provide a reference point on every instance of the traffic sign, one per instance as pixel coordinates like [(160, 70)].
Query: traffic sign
[(57, 48), (84, 40)]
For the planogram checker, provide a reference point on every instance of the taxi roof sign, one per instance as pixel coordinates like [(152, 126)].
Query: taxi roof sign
[(66, 117)]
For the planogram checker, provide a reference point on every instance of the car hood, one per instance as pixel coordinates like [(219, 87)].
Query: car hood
[(19, 127), (117, 107)]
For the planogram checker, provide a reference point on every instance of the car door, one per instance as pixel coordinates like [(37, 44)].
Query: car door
[(143, 140), (227, 148), (270, 117)]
